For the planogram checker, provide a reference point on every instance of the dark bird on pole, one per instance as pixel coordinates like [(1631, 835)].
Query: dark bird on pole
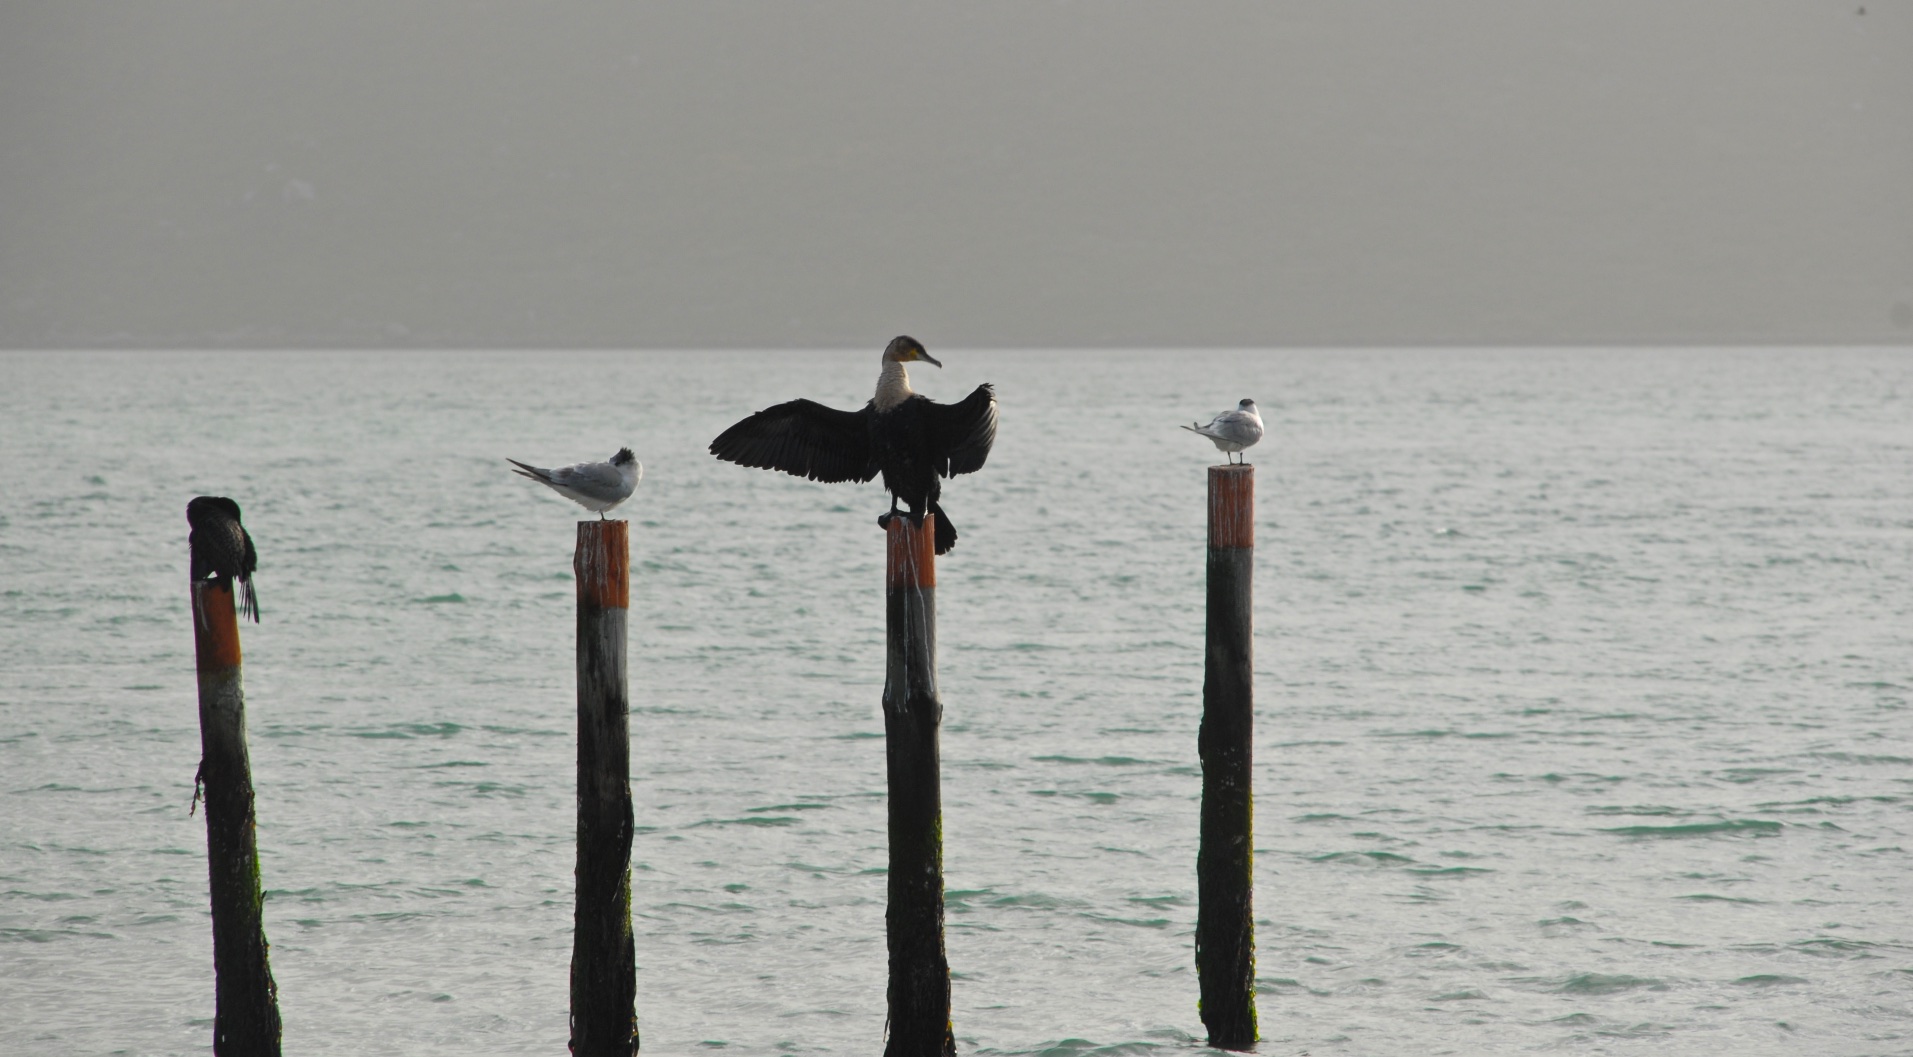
[(221, 548), (910, 439)]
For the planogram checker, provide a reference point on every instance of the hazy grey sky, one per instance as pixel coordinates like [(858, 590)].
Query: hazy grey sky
[(470, 173)]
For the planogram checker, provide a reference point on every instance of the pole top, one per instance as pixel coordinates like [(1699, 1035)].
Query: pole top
[(602, 564), (910, 552), (1232, 506)]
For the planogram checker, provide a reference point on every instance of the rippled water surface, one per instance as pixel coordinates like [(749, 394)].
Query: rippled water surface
[(1582, 701)]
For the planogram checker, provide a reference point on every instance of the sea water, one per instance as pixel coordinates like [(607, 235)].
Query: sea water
[(1582, 701)]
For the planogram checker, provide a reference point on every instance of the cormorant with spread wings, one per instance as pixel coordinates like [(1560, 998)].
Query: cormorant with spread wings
[(910, 439)]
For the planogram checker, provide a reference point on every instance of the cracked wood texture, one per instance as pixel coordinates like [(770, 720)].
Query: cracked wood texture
[(1225, 867), (245, 997), (919, 991), (604, 1020)]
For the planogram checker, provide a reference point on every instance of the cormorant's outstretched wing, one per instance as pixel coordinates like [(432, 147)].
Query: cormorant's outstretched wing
[(963, 431), (805, 438)]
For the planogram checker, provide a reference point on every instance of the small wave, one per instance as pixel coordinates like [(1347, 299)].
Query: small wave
[(1036, 901), (1079, 1048), (1606, 984), (758, 820), (1453, 872), (1103, 799), (20, 935), (1142, 923), (1751, 826), (411, 730), (1364, 858), (1828, 947), (1743, 775), (1862, 759), (487, 790)]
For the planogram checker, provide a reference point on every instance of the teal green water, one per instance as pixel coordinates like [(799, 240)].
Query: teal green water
[(1582, 701)]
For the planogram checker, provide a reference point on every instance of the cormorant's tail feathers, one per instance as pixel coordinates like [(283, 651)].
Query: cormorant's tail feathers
[(946, 532), (248, 601)]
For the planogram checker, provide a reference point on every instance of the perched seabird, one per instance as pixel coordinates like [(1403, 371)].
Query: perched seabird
[(595, 486), (910, 439), (1233, 430), (221, 549)]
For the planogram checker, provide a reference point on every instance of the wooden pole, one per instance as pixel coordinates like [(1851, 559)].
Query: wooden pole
[(604, 1019), (245, 997), (919, 993), (1225, 868)]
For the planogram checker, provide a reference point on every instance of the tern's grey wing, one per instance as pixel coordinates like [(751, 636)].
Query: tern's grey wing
[(594, 478), (1244, 424)]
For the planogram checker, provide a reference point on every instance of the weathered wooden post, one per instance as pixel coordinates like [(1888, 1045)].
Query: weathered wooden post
[(1225, 868), (604, 1019), (245, 998), (919, 992)]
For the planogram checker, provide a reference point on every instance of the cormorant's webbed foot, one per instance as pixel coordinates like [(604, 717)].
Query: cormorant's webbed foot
[(915, 516), (885, 518)]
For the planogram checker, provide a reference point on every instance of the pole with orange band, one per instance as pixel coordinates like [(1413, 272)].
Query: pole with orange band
[(919, 993), (604, 1021), (245, 997)]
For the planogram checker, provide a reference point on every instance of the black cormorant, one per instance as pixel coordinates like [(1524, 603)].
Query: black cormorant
[(221, 549), (910, 439)]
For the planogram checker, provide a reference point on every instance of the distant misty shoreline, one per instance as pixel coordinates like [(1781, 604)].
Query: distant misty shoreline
[(148, 343)]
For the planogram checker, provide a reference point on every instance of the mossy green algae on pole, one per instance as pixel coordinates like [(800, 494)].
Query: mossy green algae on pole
[(604, 1021), (919, 991), (1225, 867), (245, 997)]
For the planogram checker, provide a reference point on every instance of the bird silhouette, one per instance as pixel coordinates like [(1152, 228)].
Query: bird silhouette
[(908, 438), (222, 549)]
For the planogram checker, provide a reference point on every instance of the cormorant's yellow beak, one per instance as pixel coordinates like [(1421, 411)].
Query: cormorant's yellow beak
[(927, 358)]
